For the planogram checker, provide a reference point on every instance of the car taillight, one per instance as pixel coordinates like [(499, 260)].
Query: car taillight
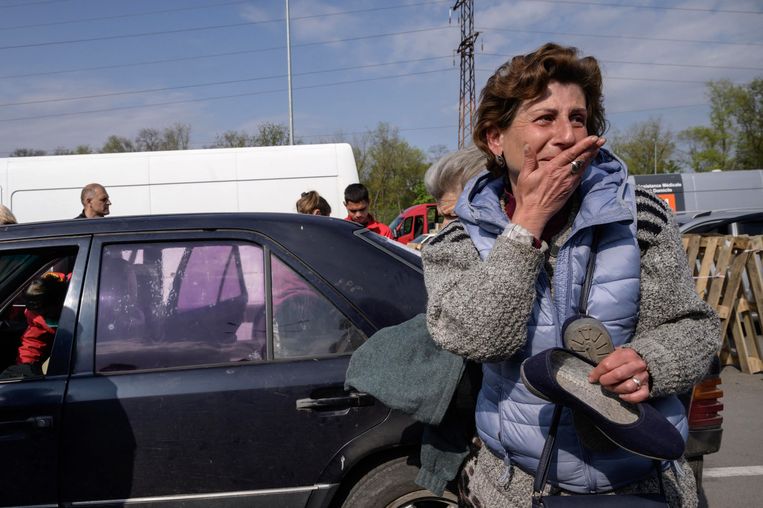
[(706, 404)]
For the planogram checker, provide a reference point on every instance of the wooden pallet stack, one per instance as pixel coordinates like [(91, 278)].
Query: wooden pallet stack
[(729, 277)]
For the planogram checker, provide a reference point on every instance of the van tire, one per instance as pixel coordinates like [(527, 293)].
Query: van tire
[(391, 485)]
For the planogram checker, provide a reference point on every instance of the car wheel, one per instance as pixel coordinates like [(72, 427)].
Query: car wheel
[(391, 485), (696, 464)]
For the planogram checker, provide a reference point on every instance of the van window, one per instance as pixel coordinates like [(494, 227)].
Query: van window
[(407, 225), (432, 219), (418, 227)]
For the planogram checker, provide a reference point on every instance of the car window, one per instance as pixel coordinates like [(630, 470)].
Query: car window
[(168, 305), (418, 227), (432, 218), (407, 225), (750, 227), (305, 323), (34, 286), (163, 305)]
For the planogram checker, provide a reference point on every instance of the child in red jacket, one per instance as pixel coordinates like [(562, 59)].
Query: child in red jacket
[(44, 301)]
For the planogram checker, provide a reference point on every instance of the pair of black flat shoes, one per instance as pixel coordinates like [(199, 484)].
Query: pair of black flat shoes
[(561, 376)]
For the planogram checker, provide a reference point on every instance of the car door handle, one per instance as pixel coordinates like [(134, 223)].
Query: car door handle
[(34, 422), (352, 399)]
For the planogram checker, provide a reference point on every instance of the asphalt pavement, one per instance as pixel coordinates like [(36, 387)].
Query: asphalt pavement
[(733, 476)]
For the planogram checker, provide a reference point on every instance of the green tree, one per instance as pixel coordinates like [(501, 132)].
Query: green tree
[(734, 139), (647, 147), (749, 120), (271, 134), (268, 134), (176, 137), (706, 149), (148, 140), (392, 170), (78, 150), (117, 144), (422, 196), (27, 152), (233, 139)]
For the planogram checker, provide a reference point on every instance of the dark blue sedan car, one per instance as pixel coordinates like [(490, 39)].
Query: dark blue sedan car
[(199, 360)]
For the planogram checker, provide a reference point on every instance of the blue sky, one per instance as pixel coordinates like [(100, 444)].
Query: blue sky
[(75, 71)]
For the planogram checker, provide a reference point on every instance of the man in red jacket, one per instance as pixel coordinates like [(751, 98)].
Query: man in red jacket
[(357, 202)]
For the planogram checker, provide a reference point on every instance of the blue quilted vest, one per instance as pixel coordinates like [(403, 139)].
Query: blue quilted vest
[(511, 421)]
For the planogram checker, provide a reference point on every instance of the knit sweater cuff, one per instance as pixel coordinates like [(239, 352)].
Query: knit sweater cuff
[(659, 360)]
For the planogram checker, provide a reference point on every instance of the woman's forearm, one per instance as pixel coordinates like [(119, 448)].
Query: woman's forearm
[(478, 309)]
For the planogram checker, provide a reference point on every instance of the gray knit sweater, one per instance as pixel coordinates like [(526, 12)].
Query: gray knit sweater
[(480, 309)]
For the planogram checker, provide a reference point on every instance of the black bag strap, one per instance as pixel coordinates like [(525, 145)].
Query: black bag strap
[(544, 465), (585, 289), (541, 474)]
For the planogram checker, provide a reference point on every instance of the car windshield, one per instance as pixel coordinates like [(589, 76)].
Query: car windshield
[(393, 225)]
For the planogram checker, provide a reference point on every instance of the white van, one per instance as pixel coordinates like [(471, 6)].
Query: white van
[(259, 179)]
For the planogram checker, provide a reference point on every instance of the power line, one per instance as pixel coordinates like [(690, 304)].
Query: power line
[(147, 62), (659, 108), (650, 7), (134, 35), (211, 83), (662, 64), (215, 27), (635, 37), (121, 16), (624, 78), (220, 97), (274, 20), (26, 4), (273, 48)]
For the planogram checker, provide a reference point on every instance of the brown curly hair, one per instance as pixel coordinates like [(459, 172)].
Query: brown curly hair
[(525, 77)]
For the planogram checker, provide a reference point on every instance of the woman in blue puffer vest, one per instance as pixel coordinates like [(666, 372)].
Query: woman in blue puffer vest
[(504, 278)]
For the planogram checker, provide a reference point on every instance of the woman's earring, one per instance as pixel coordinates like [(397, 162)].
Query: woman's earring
[(500, 160)]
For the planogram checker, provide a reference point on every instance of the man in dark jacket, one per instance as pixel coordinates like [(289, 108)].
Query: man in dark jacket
[(95, 202)]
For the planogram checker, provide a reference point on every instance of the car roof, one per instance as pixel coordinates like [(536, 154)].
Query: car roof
[(341, 258), (690, 220), (266, 223)]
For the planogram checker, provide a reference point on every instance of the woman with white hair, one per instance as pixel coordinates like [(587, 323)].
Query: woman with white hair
[(445, 179)]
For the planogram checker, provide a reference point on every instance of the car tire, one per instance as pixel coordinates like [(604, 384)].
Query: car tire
[(391, 485), (696, 464)]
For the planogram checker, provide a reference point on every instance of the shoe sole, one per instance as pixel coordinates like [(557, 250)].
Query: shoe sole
[(588, 337)]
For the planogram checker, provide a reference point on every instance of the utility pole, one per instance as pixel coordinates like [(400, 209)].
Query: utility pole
[(288, 64), (466, 100)]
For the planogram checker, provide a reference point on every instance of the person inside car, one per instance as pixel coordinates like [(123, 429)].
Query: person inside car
[(44, 301), (357, 202)]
